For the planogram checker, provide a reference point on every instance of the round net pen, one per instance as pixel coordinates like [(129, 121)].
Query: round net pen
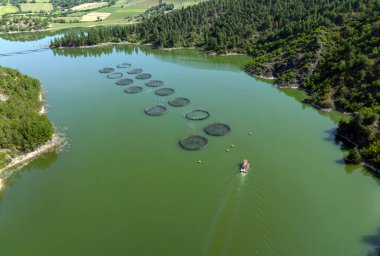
[(135, 71), (143, 76), (197, 114), (106, 70), (217, 129), (124, 81), (179, 102), (164, 91), (115, 75), (154, 83), (124, 65), (158, 110), (133, 89), (193, 142)]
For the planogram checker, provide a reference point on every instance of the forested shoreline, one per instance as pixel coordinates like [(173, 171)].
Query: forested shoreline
[(328, 48), (23, 127)]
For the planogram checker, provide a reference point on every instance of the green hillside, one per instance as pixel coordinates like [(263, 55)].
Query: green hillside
[(22, 127)]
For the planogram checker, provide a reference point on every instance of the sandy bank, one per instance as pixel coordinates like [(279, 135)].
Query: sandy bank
[(43, 108), (50, 145)]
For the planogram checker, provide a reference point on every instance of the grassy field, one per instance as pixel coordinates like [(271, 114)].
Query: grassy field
[(94, 16), (145, 4), (36, 7), (37, 1), (88, 6), (120, 14), (8, 9)]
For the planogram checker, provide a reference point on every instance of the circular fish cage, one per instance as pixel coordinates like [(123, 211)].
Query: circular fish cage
[(154, 83), (217, 129), (115, 75), (135, 71), (106, 70), (179, 102), (164, 91), (124, 81), (158, 110), (143, 76), (124, 65), (197, 114), (133, 89), (193, 142)]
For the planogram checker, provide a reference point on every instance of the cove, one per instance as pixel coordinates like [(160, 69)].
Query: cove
[(124, 186)]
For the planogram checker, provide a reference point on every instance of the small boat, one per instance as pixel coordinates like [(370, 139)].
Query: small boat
[(244, 167)]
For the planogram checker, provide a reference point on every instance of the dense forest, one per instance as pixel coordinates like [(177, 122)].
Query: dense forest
[(22, 127), (330, 48)]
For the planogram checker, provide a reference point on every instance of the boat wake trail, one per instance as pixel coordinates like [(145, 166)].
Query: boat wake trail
[(225, 218)]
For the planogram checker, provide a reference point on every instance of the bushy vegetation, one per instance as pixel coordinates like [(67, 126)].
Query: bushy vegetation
[(330, 48), (9, 23), (22, 128), (159, 9)]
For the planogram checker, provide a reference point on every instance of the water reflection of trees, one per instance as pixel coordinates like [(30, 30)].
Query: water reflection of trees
[(94, 51), (34, 36), (186, 57), (374, 242), (41, 163)]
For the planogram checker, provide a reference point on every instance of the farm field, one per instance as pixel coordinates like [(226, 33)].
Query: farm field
[(88, 6), (118, 13), (94, 16), (145, 4), (122, 12), (37, 1), (36, 7), (8, 9)]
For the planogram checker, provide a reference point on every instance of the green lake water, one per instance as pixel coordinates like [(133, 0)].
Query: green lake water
[(123, 186)]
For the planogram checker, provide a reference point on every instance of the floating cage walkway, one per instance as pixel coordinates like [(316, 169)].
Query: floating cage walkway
[(154, 83), (158, 110), (115, 75), (143, 76), (124, 81), (197, 114), (135, 71), (24, 52), (217, 129), (193, 142), (179, 102), (106, 70), (164, 92), (133, 89), (124, 65)]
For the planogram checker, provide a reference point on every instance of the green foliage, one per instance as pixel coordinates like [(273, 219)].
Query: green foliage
[(66, 4), (9, 23), (354, 156), (159, 9), (235, 25), (21, 126)]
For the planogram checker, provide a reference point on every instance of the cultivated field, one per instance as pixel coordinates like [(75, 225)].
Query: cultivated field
[(94, 16), (8, 9), (38, 1), (36, 7), (88, 6), (145, 4)]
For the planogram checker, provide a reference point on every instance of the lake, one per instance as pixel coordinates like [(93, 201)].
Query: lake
[(123, 186)]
